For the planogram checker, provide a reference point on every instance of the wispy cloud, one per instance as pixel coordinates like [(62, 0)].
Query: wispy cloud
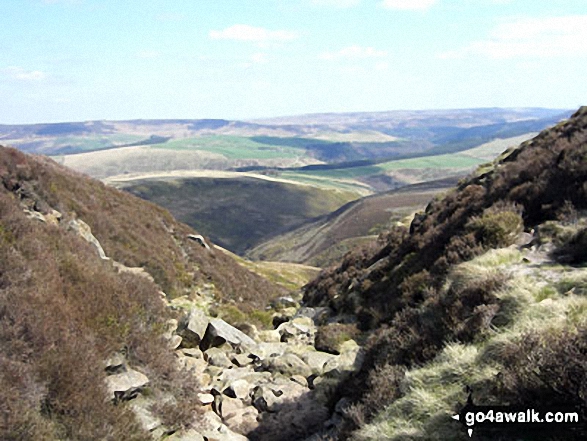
[(21, 74), (531, 37), (408, 5), (342, 4), (242, 32), (354, 52)]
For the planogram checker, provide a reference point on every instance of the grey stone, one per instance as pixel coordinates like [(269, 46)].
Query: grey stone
[(241, 360), (126, 385), (219, 332), (287, 364), (185, 435), (217, 357), (194, 328), (317, 360), (140, 407)]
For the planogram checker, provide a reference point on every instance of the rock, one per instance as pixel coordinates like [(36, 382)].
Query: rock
[(318, 315), (301, 330), (194, 328), (302, 381), (175, 342), (219, 332), (287, 364), (269, 336), (213, 429), (199, 239), (242, 420), (192, 352), (240, 389), (284, 302), (136, 270), (185, 435), (140, 406), (241, 360), (206, 398), (126, 385), (82, 229), (350, 360), (116, 364), (317, 360)]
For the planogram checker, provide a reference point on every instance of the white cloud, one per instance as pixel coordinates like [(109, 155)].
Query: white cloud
[(531, 37), (342, 4), (354, 52), (18, 73), (408, 5), (241, 32)]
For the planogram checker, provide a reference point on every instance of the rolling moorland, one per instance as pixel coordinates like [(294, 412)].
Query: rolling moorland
[(116, 319), (300, 167)]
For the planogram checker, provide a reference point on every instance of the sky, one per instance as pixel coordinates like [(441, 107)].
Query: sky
[(78, 60)]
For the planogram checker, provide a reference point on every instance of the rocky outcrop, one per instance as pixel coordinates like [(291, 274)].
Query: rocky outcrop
[(273, 387)]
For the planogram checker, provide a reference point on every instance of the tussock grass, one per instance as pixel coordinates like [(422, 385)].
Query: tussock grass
[(530, 305)]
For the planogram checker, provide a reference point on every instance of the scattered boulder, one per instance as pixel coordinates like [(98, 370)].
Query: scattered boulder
[(217, 357), (126, 385), (219, 332), (318, 360), (287, 364), (193, 328)]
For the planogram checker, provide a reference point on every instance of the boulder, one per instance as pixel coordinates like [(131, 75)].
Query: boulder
[(206, 399), (287, 364), (319, 315), (317, 360), (217, 357), (194, 328), (212, 428), (141, 408), (241, 360), (240, 389), (185, 435), (241, 419), (219, 332), (126, 385), (116, 364)]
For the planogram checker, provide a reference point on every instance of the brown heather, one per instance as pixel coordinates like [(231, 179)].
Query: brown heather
[(63, 310)]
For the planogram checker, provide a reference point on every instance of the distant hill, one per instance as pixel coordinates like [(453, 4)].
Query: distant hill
[(143, 145)]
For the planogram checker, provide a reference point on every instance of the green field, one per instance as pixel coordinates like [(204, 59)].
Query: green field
[(232, 147)]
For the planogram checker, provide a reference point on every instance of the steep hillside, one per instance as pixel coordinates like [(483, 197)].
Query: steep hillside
[(323, 241), (83, 269), (238, 213), (447, 304)]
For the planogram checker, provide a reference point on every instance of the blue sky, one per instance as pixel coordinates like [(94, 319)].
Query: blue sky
[(74, 60)]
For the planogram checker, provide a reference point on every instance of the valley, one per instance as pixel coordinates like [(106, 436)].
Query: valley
[(354, 300), (213, 174)]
